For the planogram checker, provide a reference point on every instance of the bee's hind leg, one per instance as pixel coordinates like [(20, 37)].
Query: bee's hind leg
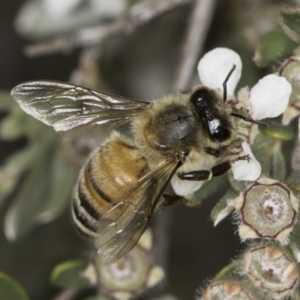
[(169, 199)]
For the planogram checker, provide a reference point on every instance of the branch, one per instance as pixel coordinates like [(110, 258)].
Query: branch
[(198, 27), (136, 16)]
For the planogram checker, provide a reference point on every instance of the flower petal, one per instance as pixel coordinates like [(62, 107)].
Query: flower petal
[(269, 97), (244, 170), (214, 67), (185, 187)]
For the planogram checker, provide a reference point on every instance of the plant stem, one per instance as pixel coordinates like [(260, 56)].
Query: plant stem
[(197, 30)]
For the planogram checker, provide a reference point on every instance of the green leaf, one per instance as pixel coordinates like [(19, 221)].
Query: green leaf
[(18, 124), (293, 183), (10, 289), (38, 131), (295, 238), (222, 205), (263, 151), (43, 194), (290, 23), (13, 168), (210, 187), (267, 149), (69, 274), (32, 192), (278, 131), (61, 183), (36, 21), (272, 47), (278, 163), (6, 102), (12, 127), (228, 271)]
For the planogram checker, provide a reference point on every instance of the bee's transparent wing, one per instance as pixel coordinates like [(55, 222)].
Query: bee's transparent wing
[(66, 106), (117, 238)]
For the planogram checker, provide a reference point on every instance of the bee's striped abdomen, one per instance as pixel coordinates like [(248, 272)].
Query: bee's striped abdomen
[(109, 175)]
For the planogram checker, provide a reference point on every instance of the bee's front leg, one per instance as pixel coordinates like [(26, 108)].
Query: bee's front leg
[(220, 169)]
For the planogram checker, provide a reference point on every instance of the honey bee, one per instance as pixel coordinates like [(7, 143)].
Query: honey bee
[(181, 139)]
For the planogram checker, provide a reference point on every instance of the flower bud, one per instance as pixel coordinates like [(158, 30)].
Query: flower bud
[(267, 209), (227, 289), (132, 274), (271, 269)]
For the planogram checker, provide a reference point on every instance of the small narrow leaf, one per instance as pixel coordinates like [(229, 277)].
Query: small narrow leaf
[(70, 274), (13, 168), (290, 23), (293, 183), (12, 126), (222, 208), (61, 183), (263, 150), (273, 46), (228, 271), (38, 131), (278, 131), (31, 196), (18, 124), (209, 187), (6, 102), (278, 163), (10, 289)]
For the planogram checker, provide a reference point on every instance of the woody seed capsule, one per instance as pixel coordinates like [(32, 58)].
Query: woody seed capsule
[(272, 269), (267, 209)]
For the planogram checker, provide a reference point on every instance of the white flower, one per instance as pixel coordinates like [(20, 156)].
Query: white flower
[(246, 170), (267, 99), (214, 67)]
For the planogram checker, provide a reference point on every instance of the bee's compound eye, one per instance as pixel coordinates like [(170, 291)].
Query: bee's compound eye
[(219, 129), (201, 98), (221, 134)]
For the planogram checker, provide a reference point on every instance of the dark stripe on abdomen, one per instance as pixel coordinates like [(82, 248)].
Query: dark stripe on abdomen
[(84, 202), (96, 187), (83, 220)]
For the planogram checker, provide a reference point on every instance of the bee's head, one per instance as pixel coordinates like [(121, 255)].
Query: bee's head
[(213, 114)]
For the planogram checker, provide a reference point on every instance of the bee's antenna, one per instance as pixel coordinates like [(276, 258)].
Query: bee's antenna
[(249, 119), (225, 83)]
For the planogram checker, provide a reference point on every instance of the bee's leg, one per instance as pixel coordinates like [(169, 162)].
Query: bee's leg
[(169, 199), (202, 175), (222, 168), (217, 170)]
